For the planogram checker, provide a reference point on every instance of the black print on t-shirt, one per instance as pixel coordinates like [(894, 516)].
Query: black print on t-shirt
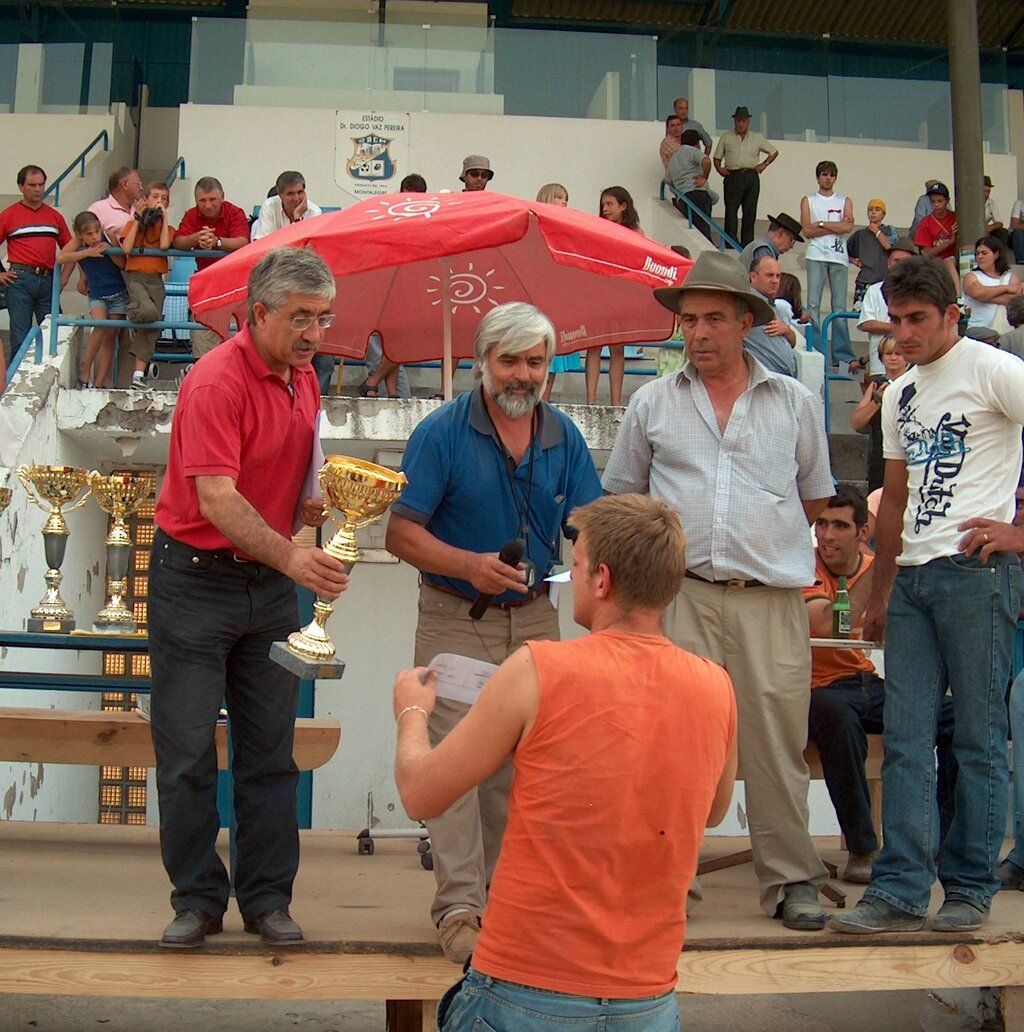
[(940, 450)]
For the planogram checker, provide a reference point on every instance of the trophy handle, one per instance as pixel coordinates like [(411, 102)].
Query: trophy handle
[(22, 473), (366, 521), (81, 501)]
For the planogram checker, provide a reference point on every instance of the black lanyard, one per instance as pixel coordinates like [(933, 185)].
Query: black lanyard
[(522, 504)]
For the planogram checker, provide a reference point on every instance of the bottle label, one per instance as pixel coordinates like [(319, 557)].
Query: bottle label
[(843, 623)]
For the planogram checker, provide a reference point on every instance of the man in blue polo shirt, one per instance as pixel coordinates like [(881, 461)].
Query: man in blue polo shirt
[(492, 467)]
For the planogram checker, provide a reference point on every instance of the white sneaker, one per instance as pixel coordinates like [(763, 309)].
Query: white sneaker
[(140, 383)]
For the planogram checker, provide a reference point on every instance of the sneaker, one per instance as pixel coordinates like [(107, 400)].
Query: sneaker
[(457, 934), (800, 909), (871, 916), (958, 915), (140, 383), (858, 868), (1010, 875)]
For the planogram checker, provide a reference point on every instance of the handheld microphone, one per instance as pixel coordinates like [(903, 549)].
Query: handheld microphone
[(511, 553)]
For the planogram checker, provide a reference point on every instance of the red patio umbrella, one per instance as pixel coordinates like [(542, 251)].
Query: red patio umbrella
[(422, 269)]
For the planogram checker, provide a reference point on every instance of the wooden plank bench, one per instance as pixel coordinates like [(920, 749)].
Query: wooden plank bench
[(101, 738)]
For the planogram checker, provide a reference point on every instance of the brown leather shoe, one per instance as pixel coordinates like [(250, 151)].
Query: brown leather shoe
[(190, 929), (457, 934), (275, 928)]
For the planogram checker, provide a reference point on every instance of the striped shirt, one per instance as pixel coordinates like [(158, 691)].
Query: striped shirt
[(33, 236), (738, 493)]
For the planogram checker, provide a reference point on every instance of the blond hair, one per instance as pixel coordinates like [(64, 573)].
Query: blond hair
[(641, 541)]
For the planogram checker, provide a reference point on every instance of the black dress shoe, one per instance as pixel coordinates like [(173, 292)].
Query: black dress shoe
[(275, 928), (190, 928)]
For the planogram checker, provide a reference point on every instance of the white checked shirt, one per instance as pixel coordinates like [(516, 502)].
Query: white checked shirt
[(738, 493)]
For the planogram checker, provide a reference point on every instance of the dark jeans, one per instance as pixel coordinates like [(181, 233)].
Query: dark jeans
[(842, 715), (741, 190), (29, 296), (211, 623), (699, 199), (324, 366), (1017, 241)]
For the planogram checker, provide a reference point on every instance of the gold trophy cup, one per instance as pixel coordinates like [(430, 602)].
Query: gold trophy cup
[(55, 490), (363, 492), (119, 495)]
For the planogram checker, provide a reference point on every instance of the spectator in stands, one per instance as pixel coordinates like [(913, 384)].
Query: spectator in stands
[(214, 224), (585, 918), (866, 418), (990, 285), (922, 207), (222, 579), (150, 229), (741, 454), (497, 450), (826, 218), (108, 298), (783, 232), (289, 206), (616, 206), (936, 232), (681, 106), (688, 173), (868, 249), (993, 225), (1017, 231), (874, 313), (953, 458), (736, 160), (124, 188), (1013, 340), (554, 193), (790, 293), (476, 173), (34, 232), (413, 183), (847, 695), (771, 342), (673, 139)]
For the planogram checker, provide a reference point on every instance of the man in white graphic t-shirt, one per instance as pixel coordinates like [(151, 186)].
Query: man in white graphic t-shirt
[(948, 611)]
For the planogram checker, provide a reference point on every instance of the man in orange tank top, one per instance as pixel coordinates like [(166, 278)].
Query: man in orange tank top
[(587, 910)]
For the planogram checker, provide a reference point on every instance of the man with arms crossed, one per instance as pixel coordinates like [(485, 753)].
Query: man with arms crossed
[(586, 915), (221, 592), (493, 466), (740, 453), (949, 611)]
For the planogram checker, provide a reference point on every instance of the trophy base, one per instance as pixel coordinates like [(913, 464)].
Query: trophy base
[(49, 625), (125, 627), (306, 669)]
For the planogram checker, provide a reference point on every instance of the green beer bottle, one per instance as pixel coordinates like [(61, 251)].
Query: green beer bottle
[(841, 612)]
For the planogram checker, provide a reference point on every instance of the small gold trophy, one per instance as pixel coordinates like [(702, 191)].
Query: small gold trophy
[(363, 491), (119, 495), (54, 489), (5, 498)]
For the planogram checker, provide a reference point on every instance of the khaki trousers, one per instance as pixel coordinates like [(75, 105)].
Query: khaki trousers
[(145, 304), (466, 838), (760, 636), (203, 341)]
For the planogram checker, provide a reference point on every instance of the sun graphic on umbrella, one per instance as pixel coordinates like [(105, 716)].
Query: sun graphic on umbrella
[(420, 208), (468, 288)]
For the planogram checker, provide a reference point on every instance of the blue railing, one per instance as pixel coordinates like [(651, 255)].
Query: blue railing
[(825, 347), (177, 172), (692, 210), (79, 163)]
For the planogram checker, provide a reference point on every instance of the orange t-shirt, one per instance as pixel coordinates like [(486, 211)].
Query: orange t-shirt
[(610, 796), (148, 238), (828, 665)]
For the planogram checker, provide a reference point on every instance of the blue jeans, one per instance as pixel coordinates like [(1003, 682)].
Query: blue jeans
[(950, 621), (30, 295), (484, 1004), (839, 330), (1016, 855)]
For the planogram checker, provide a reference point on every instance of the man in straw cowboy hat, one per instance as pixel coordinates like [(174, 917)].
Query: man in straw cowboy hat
[(741, 454)]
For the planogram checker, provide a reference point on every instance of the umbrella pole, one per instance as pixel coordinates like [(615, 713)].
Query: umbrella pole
[(446, 322)]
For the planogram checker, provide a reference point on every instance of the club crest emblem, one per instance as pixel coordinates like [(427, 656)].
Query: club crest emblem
[(370, 159)]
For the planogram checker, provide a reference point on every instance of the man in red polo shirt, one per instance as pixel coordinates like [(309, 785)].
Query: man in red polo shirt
[(214, 224), (221, 592), (34, 232)]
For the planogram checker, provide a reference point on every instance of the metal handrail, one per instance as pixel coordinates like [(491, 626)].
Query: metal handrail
[(175, 173), (54, 187), (692, 209), (825, 348)]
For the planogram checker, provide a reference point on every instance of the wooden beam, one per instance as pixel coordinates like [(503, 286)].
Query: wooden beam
[(97, 737)]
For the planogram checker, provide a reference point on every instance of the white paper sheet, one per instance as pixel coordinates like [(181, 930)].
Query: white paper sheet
[(460, 678)]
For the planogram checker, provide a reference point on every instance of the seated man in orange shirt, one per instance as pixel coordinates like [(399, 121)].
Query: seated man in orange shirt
[(847, 695), (623, 749)]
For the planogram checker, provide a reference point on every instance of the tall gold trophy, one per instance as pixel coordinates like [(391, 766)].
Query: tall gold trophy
[(55, 490), (119, 495), (363, 492)]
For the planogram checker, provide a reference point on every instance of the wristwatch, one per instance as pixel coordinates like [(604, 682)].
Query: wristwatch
[(218, 244), (821, 225)]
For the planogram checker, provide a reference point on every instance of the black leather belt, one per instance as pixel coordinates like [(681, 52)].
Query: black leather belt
[(504, 606), (736, 582), (37, 269), (164, 540)]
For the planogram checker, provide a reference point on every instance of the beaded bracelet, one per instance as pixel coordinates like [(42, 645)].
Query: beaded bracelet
[(418, 709)]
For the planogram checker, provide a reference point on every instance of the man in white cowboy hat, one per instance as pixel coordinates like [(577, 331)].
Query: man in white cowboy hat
[(741, 454), (476, 173)]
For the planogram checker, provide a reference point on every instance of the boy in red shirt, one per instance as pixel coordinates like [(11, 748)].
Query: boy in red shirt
[(936, 232)]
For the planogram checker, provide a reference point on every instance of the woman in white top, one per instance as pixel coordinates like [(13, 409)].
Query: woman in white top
[(990, 285)]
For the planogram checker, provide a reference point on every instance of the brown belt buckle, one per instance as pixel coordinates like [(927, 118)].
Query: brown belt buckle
[(736, 583)]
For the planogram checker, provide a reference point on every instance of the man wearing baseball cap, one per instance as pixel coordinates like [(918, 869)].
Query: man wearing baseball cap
[(476, 173), (737, 162), (741, 454), (936, 234)]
